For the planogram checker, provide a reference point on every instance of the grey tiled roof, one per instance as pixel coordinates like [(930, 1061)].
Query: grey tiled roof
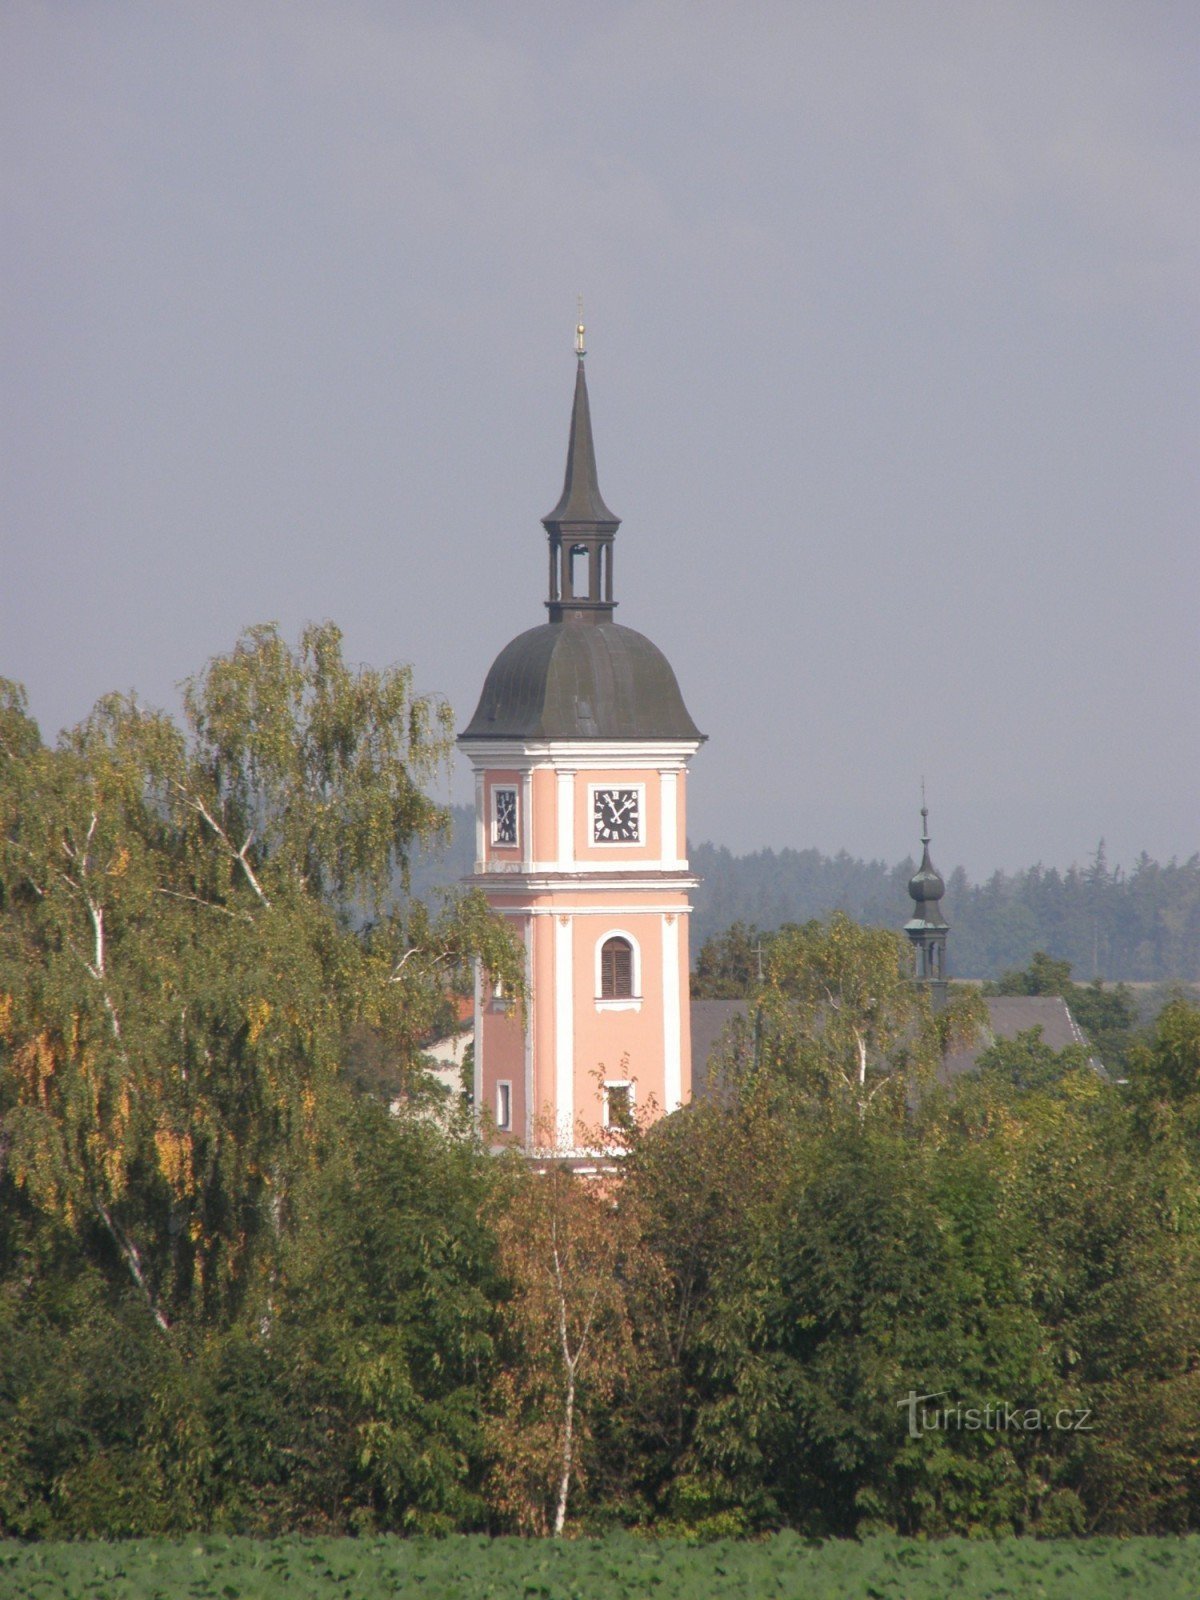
[(1011, 1014), (581, 680), (1008, 1015), (710, 1025)]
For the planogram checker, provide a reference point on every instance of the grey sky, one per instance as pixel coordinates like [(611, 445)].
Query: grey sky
[(892, 316)]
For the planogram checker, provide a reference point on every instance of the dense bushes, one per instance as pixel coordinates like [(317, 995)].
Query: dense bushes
[(787, 1275)]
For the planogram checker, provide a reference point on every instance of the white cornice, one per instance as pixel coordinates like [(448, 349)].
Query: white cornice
[(584, 755), (616, 909), (636, 879)]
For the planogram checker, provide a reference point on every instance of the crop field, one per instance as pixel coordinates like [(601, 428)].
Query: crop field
[(465, 1568)]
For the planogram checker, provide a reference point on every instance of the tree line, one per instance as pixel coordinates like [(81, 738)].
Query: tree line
[(244, 1288), (1140, 925)]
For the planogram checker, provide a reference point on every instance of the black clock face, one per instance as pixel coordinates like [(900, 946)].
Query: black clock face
[(615, 817), (506, 816)]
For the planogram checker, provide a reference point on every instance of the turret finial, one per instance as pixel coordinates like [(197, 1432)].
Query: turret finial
[(580, 346)]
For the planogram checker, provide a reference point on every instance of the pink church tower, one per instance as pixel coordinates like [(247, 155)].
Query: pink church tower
[(580, 746)]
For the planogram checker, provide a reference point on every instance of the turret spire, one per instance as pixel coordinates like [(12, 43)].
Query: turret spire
[(581, 527), (927, 927)]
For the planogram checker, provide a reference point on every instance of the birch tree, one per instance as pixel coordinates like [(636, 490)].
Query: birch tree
[(178, 963), (571, 1250), (841, 1015)]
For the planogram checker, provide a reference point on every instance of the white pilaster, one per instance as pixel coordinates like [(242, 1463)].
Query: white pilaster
[(669, 801), (477, 1081), (480, 820), (526, 819), (564, 1031), (531, 1003), (565, 804), (672, 1049)]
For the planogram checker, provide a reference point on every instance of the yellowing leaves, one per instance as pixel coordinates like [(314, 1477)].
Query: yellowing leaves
[(109, 1156), (34, 1065), (258, 1014), (175, 1159)]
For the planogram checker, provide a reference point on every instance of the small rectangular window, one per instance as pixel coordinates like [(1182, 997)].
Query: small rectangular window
[(618, 1105), (504, 1106), (504, 816)]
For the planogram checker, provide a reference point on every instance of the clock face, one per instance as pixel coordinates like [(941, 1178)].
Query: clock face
[(615, 816), (505, 826)]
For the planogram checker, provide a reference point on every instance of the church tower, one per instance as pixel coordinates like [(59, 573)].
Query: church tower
[(580, 746), (927, 928)]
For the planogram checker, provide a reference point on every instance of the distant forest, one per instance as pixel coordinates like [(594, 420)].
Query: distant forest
[(1135, 925)]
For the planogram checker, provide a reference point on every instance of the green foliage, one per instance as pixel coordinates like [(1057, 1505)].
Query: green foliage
[(353, 1402), (618, 1567), (1166, 1067), (1007, 1243), (730, 965), (1107, 1016), (77, 1365), (238, 1296), (254, 1303), (1044, 975), (837, 1018), (1028, 1063), (317, 765), (176, 982), (390, 1289), (875, 1273)]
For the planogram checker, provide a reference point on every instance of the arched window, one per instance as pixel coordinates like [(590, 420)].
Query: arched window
[(616, 969)]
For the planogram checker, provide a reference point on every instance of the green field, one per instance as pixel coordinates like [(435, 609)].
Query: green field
[(463, 1568)]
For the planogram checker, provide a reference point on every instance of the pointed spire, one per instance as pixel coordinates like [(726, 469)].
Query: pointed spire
[(581, 528), (581, 500)]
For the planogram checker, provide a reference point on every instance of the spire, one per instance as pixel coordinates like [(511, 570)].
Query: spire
[(927, 927), (581, 527), (581, 500)]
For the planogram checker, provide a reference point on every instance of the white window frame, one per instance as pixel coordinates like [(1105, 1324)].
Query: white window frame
[(616, 844), (631, 1002), (504, 1103), (630, 1086), (496, 791)]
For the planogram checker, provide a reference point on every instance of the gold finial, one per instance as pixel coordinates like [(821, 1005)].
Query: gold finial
[(580, 347)]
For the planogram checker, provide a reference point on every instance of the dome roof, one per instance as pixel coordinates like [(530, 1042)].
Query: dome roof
[(581, 680), (926, 883)]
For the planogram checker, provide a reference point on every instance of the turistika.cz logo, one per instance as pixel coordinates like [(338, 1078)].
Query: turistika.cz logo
[(997, 1416)]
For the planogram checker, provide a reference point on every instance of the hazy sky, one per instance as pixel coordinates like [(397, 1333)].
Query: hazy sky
[(893, 328)]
